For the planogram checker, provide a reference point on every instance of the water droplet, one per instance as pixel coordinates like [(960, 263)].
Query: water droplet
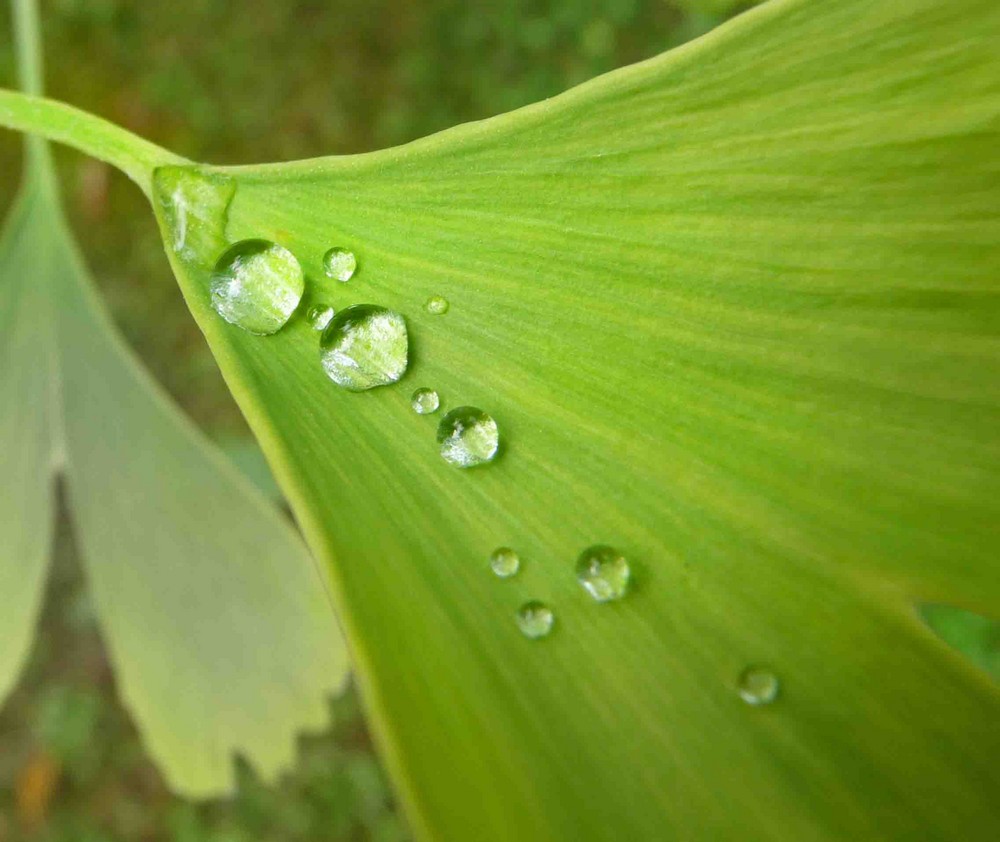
[(437, 305), (505, 562), (320, 316), (603, 572), (257, 285), (365, 346), (340, 263), (195, 207), (535, 619), (468, 437), (758, 686), (425, 401)]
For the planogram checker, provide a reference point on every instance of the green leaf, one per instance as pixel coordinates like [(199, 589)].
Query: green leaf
[(216, 619), (735, 311)]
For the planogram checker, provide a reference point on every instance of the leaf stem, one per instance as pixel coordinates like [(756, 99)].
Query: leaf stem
[(29, 51), (90, 134)]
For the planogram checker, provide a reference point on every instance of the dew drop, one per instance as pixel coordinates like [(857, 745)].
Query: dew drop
[(320, 316), (256, 285), (758, 686), (535, 619), (437, 305), (505, 562), (603, 572), (195, 206), (340, 263), (468, 437), (365, 346), (425, 401)]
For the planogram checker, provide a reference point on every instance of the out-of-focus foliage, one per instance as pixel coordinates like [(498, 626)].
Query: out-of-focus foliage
[(72, 767)]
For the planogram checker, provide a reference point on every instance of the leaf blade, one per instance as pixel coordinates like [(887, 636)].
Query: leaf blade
[(791, 270)]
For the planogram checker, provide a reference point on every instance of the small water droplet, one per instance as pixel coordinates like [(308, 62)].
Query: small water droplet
[(468, 437), (437, 305), (340, 263), (535, 619), (425, 401), (758, 686), (505, 562), (256, 285), (320, 316), (365, 346), (603, 572)]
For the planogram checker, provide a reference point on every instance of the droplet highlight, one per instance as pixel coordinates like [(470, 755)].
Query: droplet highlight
[(320, 316), (758, 686), (535, 619), (468, 437), (505, 562), (340, 264), (603, 572), (437, 305), (365, 346), (425, 401), (256, 285)]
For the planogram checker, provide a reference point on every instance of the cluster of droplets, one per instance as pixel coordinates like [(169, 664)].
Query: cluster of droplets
[(605, 575), (601, 570), (258, 285)]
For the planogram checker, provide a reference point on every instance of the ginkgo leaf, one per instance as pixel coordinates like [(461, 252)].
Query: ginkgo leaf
[(217, 621), (735, 313)]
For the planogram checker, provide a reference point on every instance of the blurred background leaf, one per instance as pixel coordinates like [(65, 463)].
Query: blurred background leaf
[(217, 620)]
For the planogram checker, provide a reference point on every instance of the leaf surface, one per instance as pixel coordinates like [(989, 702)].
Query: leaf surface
[(735, 311)]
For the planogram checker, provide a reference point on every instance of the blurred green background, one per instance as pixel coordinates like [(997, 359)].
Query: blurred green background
[(243, 82)]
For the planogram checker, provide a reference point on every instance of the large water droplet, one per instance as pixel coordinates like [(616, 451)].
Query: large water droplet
[(365, 346), (320, 316), (340, 263), (535, 619), (468, 437), (437, 305), (425, 401), (505, 562), (603, 572), (257, 285), (758, 686)]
